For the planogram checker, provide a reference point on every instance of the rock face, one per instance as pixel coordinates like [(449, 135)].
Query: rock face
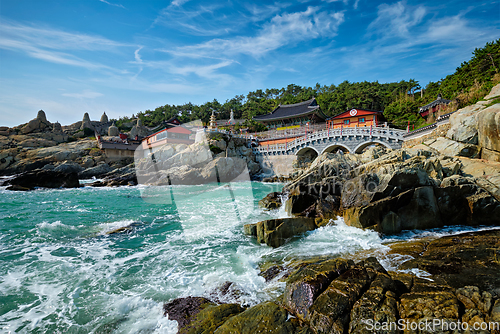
[(39, 124), (335, 295), (271, 201), (488, 123), (416, 188), (44, 179), (263, 318), (196, 164), (479, 124), (275, 232)]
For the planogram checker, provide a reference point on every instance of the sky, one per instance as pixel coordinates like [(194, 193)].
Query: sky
[(122, 57)]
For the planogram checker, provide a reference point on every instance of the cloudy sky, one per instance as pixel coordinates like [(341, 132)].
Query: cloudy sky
[(71, 57)]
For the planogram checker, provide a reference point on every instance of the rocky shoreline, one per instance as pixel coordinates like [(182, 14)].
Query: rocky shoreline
[(449, 281), (337, 295)]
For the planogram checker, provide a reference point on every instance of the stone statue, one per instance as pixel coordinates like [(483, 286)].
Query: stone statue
[(113, 131)]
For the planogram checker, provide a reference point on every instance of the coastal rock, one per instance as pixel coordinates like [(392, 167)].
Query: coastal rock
[(330, 312), (271, 201), (96, 171), (69, 167), (262, 318), (45, 179), (307, 283), (210, 318), (460, 260), (377, 304), (224, 169), (183, 310), (275, 232)]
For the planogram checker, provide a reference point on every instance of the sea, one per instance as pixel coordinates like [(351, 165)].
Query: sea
[(105, 260)]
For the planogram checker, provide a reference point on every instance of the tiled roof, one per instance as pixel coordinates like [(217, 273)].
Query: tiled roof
[(292, 110), (434, 103)]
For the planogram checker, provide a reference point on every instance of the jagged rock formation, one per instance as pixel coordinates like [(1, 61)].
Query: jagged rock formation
[(337, 295), (104, 118), (198, 163), (39, 124), (86, 123)]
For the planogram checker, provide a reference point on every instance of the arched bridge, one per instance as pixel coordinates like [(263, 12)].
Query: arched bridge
[(352, 140)]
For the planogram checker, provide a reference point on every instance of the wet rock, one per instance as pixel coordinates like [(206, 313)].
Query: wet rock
[(275, 232), (306, 284), (377, 304), (99, 170), (210, 318), (472, 297), (417, 307), (271, 201), (299, 199), (330, 312), (460, 260), (262, 318), (183, 310), (44, 179), (271, 272), (69, 167)]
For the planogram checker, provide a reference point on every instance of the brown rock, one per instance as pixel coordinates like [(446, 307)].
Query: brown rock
[(306, 284)]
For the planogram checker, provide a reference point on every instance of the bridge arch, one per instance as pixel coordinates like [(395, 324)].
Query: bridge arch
[(307, 150), (335, 148), (362, 146)]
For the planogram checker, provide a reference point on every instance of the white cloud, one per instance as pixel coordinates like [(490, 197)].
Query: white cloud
[(56, 46), (86, 94), (285, 29), (178, 3), (396, 19), (112, 4)]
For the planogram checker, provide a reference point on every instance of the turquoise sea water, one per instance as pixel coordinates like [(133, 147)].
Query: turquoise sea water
[(61, 272)]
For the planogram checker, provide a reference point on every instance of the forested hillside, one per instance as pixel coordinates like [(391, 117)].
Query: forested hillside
[(399, 100)]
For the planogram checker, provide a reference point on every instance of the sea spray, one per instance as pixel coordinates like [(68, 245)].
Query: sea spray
[(61, 271)]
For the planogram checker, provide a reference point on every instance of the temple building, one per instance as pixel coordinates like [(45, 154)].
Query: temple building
[(293, 115), (356, 117), (434, 106)]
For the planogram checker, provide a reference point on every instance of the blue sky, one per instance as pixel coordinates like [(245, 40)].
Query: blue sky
[(71, 57)]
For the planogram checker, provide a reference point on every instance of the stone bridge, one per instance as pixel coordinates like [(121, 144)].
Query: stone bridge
[(352, 140)]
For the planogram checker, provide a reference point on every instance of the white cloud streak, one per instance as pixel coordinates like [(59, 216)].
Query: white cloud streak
[(112, 4), (86, 94), (282, 30)]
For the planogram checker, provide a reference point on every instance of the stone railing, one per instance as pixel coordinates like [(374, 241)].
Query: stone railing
[(309, 139), (441, 120)]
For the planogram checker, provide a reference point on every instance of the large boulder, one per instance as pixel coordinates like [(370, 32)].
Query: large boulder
[(463, 124), (263, 318), (452, 148), (488, 122), (44, 179), (271, 201), (199, 315), (307, 283), (99, 170), (275, 232)]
